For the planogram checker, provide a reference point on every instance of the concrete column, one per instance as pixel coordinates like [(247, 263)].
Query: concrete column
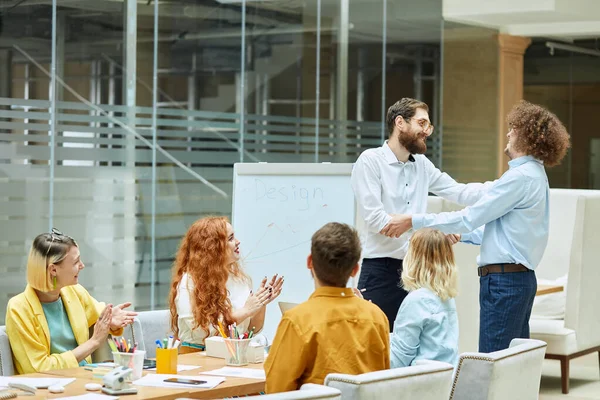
[(510, 87)]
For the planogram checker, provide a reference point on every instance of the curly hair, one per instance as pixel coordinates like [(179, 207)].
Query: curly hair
[(539, 133), (203, 255)]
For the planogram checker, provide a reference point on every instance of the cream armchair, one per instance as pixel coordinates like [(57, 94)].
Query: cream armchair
[(429, 380), (6, 361), (512, 374), (574, 246)]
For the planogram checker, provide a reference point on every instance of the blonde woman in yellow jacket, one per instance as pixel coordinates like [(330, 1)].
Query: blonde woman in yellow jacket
[(48, 324)]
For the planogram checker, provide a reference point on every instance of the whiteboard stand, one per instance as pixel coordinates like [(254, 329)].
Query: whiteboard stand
[(276, 210)]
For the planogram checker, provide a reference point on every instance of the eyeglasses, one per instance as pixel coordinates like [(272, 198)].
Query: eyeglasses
[(57, 235), (425, 124)]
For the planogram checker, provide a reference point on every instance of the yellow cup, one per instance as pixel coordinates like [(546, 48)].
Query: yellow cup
[(166, 361)]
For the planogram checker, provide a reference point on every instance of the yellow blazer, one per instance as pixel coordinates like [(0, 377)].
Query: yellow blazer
[(29, 335)]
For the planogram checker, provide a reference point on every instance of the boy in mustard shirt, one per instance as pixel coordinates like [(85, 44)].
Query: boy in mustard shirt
[(335, 330)]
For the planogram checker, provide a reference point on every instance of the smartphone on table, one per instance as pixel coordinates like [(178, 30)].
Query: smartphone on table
[(185, 381), (149, 364)]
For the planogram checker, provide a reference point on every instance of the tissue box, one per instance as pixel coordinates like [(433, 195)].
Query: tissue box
[(256, 353), (216, 347)]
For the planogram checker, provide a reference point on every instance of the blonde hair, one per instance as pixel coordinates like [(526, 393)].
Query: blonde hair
[(430, 264), (46, 249)]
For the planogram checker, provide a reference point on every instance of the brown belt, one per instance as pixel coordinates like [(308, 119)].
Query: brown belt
[(501, 269)]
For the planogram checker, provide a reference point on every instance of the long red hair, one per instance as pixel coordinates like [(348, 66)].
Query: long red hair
[(204, 256)]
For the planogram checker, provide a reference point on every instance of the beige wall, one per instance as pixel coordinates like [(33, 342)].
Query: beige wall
[(470, 103)]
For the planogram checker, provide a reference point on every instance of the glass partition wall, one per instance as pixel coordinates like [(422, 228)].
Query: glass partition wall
[(120, 121), (565, 77)]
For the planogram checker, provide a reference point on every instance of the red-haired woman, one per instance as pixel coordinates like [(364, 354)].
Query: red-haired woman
[(209, 286)]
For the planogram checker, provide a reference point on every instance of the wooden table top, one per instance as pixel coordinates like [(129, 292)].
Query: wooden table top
[(547, 289), (232, 386)]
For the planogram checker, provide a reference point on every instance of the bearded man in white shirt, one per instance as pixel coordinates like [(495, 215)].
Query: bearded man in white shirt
[(396, 178)]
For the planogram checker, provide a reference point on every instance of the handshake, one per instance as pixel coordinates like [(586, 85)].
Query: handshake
[(401, 223)]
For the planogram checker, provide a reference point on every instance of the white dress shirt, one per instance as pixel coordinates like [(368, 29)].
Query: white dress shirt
[(383, 185), (238, 294)]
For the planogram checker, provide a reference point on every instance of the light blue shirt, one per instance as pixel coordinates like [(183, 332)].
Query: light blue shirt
[(512, 217), (62, 338), (426, 328)]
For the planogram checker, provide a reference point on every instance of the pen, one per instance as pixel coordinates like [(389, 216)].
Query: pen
[(251, 333), (159, 344)]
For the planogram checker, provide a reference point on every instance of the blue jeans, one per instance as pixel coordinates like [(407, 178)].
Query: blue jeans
[(505, 302), (381, 279)]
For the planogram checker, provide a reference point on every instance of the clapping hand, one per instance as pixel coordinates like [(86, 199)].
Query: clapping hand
[(120, 317), (102, 325), (257, 300), (274, 287)]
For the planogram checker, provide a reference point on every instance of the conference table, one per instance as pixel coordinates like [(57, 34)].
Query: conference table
[(547, 289), (232, 386)]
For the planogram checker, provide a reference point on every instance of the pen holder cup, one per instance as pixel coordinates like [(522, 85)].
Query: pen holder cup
[(134, 360), (237, 351), (166, 361)]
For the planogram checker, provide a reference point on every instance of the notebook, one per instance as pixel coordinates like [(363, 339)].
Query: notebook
[(284, 306)]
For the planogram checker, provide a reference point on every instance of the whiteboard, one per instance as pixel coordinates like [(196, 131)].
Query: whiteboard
[(276, 210)]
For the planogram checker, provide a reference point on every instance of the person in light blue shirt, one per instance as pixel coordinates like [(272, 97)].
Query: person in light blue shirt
[(426, 327), (510, 222)]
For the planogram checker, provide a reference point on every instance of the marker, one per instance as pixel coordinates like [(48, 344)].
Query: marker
[(112, 346), (176, 344), (170, 342), (159, 344)]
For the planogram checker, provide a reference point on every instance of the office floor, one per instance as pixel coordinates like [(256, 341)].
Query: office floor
[(585, 379)]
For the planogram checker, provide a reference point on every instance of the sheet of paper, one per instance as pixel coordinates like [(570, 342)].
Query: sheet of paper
[(40, 383), (103, 365), (89, 396), (158, 380), (180, 367), (238, 372)]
